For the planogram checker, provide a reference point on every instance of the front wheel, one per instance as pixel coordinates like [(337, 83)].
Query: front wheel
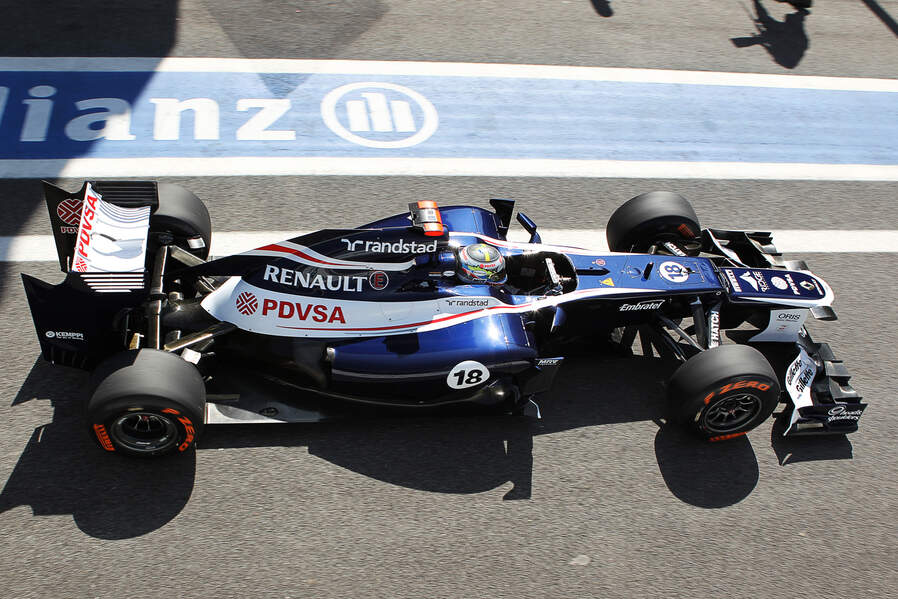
[(723, 392), (146, 403), (650, 219)]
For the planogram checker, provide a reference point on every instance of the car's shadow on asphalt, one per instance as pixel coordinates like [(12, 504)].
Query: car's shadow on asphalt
[(62, 471), (792, 450)]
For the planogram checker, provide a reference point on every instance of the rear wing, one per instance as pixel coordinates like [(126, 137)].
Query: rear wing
[(101, 234), (101, 224)]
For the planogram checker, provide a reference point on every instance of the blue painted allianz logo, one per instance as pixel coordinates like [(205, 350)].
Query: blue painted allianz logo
[(376, 115), (379, 115)]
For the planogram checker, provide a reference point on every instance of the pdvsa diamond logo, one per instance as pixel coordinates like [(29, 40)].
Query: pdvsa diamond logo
[(69, 211), (247, 304), (379, 115)]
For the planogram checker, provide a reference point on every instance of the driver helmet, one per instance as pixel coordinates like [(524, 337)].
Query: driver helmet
[(481, 263)]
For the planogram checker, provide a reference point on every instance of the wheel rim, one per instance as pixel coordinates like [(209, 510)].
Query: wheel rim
[(732, 413), (688, 245), (144, 432)]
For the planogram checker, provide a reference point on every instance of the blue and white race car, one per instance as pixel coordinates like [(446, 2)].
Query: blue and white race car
[(431, 307)]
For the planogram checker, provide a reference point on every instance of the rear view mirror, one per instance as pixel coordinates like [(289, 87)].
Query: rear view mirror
[(530, 227)]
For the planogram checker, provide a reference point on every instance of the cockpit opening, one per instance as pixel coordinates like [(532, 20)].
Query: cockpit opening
[(540, 273)]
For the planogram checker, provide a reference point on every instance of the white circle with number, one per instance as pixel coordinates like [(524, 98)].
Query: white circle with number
[(467, 374), (674, 272)]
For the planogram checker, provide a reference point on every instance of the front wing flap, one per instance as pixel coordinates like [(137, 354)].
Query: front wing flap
[(822, 400)]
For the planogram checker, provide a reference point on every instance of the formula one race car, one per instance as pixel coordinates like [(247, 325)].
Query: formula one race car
[(427, 308)]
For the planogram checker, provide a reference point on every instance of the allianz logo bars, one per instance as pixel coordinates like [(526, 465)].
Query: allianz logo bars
[(373, 112), (377, 109)]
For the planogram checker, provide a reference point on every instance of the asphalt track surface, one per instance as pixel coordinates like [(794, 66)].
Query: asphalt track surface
[(598, 499)]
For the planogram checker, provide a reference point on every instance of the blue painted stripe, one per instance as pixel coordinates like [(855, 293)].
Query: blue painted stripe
[(479, 117)]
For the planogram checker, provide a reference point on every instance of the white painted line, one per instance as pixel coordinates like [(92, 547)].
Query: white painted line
[(28, 248), (786, 240), (439, 167), (447, 69), (41, 248)]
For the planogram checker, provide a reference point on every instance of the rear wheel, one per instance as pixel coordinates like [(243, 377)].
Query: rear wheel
[(650, 219), (185, 217), (723, 392), (146, 403)]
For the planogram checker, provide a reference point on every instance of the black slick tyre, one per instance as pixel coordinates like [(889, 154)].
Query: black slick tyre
[(146, 403), (723, 392), (650, 218), (183, 215)]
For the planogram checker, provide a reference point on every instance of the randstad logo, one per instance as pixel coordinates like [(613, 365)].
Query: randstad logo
[(379, 115)]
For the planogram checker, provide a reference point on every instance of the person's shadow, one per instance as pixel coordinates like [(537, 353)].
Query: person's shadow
[(603, 7), (785, 41)]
